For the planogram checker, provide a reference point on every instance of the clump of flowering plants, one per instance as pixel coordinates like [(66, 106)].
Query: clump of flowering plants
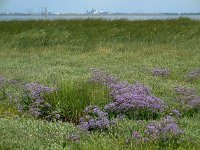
[(34, 101), (133, 100), (163, 72), (188, 100), (163, 132), (193, 74), (95, 119)]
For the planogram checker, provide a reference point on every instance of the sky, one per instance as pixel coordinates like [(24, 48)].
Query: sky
[(112, 6)]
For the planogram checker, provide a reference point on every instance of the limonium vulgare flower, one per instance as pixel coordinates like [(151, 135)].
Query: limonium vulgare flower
[(37, 105), (193, 74), (35, 90), (164, 131), (176, 113), (102, 77), (167, 126), (184, 90), (94, 119), (134, 100), (189, 100), (160, 72)]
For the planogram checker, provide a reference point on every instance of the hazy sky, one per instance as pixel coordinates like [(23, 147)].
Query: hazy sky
[(80, 6)]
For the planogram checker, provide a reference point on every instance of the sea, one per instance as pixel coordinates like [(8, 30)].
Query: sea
[(106, 17)]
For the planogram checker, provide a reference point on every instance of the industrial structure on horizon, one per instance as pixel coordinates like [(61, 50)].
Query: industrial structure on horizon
[(94, 12)]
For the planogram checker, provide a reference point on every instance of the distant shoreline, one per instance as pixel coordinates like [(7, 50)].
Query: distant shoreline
[(76, 14), (113, 16)]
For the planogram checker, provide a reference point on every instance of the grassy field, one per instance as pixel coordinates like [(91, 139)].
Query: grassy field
[(60, 54)]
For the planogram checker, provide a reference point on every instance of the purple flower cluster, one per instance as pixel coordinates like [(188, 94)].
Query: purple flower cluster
[(166, 127), (94, 119), (4, 81), (188, 99), (160, 72), (37, 106), (184, 90), (128, 98), (193, 101), (37, 91), (122, 88), (176, 113), (131, 101), (164, 130), (193, 74), (102, 77), (137, 137)]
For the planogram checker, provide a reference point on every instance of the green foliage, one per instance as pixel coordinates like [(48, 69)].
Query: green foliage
[(71, 98), (27, 134)]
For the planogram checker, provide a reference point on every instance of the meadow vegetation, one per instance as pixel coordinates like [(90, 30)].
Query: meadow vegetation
[(100, 84)]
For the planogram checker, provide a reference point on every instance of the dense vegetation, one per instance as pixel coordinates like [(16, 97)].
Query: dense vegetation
[(47, 85)]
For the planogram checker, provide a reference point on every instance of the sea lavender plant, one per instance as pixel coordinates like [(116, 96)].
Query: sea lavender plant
[(35, 103), (136, 137), (94, 119), (191, 104), (175, 113), (184, 90), (35, 90), (136, 106), (102, 77), (121, 88), (193, 74), (189, 100), (160, 72), (133, 100), (163, 132), (166, 127)]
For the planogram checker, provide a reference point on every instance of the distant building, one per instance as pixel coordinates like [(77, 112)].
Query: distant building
[(44, 12), (93, 11), (103, 12)]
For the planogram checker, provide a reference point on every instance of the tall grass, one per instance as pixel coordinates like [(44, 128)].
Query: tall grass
[(73, 97)]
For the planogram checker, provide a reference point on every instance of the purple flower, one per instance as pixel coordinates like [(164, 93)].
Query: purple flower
[(160, 72), (184, 91), (193, 101), (175, 112), (36, 90), (102, 77), (193, 74), (165, 127), (94, 119), (136, 135), (127, 97)]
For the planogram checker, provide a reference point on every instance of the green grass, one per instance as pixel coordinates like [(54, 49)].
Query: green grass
[(73, 97), (57, 53)]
